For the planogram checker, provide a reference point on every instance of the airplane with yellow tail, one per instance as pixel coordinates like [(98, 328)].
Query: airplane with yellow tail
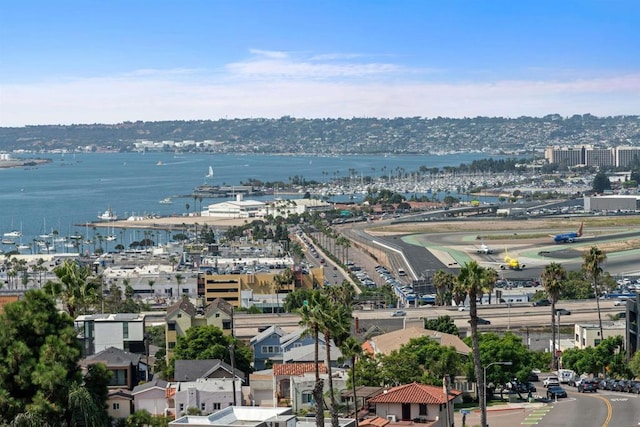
[(510, 263)]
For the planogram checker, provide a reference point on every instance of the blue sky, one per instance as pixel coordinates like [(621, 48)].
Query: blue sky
[(111, 61)]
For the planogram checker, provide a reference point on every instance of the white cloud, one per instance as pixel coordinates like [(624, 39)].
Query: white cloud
[(273, 84)]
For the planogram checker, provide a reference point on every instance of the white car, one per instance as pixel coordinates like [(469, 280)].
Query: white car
[(550, 381), (619, 302), (463, 308)]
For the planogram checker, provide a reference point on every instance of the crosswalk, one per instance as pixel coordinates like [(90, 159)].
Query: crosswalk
[(535, 416)]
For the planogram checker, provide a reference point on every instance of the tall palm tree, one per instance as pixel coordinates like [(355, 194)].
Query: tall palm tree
[(334, 324), (592, 266), (352, 349), (179, 280), (490, 279), (472, 278), (311, 321), (443, 281), (74, 287), (552, 278)]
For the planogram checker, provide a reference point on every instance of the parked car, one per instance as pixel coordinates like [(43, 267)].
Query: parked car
[(533, 377), (481, 321), (398, 313), (629, 386), (555, 391), (619, 385), (541, 303), (588, 385), (551, 381), (636, 388), (562, 311)]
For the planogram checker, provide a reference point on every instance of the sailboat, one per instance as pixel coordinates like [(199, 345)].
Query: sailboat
[(210, 174)]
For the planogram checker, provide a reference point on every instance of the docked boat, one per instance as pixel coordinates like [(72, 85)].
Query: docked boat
[(12, 234), (8, 241), (108, 215), (166, 201)]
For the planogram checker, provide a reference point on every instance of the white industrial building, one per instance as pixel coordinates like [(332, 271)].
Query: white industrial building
[(238, 208), (612, 203)]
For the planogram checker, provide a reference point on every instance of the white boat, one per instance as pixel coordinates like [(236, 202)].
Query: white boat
[(159, 163), (8, 241), (12, 234), (166, 201), (23, 247), (110, 238), (210, 174), (108, 215)]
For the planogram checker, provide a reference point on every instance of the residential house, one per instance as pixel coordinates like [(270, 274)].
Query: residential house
[(291, 384), (588, 334), (184, 315), (421, 403), (127, 370), (151, 397), (208, 385), (386, 343), (269, 345), (124, 331)]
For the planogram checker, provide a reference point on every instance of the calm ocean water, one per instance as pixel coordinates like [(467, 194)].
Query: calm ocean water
[(75, 188)]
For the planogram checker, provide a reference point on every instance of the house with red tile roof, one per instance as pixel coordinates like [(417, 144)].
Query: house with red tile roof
[(420, 403)]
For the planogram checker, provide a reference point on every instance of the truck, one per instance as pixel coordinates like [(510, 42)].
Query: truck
[(565, 376)]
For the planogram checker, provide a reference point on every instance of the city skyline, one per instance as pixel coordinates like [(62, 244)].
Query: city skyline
[(82, 62)]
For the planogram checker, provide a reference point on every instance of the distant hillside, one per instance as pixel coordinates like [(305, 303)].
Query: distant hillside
[(333, 136)]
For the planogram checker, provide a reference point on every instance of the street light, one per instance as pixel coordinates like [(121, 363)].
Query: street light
[(483, 408)]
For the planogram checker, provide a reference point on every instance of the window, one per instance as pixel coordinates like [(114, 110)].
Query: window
[(307, 397), (203, 406), (422, 409), (172, 344), (125, 330), (216, 406), (226, 324), (116, 406), (217, 314), (179, 315), (171, 326), (181, 407), (270, 349)]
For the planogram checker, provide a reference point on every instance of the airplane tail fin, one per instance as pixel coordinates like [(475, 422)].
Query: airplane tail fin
[(580, 229)]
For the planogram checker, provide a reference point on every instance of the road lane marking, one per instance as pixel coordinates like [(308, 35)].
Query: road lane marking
[(609, 409)]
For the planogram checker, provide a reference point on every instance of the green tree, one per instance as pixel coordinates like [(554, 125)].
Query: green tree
[(592, 266), (74, 287), (634, 364), (601, 182), (552, 278), (472, 279), (209, 342), (442, 324), (311, 320), (443, 281), (39, 355), (352, 349)]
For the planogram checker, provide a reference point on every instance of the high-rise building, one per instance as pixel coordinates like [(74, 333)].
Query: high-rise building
[(624, 156)]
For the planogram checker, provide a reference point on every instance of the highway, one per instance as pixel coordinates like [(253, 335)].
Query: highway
[(500, 315)]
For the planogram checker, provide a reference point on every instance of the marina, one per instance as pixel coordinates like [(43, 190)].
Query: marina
[(75, 189)]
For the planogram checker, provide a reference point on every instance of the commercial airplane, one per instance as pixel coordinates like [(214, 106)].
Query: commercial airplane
[(510, 263), (484, 249), (568, 237)]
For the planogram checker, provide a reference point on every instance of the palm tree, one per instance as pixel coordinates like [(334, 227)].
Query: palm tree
[(443, 281), (311, 321), (472, 279), (74, 287), (491, 277), (592, 266), (352, 349), (552, 277), (179, 280), (334, 324)]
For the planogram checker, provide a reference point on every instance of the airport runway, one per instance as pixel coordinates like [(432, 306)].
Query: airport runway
[(430, 252)]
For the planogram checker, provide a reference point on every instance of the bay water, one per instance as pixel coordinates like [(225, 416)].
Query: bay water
[(75, 188)]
